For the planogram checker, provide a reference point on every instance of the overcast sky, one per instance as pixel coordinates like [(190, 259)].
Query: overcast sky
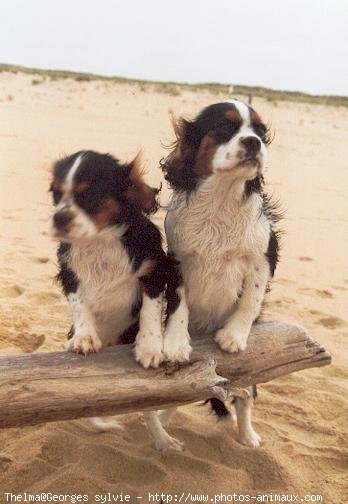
[(284, 44)]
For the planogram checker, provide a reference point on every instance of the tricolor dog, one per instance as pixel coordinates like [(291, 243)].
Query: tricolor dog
[(220, 228), (113, 269)]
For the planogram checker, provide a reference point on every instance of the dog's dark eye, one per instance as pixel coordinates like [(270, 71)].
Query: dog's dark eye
[(90, 200), (55, 189), (262, 132), (224, 133), (57, 196)]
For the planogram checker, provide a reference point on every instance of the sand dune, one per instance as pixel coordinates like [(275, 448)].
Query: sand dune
[(302, 418)]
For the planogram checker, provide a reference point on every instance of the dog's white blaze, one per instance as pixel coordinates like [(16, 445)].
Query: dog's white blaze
[(243, 110), (69, 180), (82, 226)]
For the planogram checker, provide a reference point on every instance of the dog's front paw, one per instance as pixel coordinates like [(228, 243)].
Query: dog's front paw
[(177, 350), (147, 353), (84, 343), (232, 338), (250, 438)]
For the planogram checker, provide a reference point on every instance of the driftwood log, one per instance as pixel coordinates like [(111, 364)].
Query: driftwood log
[(48, 387)]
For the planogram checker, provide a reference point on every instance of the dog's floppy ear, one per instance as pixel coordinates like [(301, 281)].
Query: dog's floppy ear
[(178, 166), (183, 131), (138, 191)]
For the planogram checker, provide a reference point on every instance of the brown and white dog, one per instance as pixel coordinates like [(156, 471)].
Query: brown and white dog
[(112, 267), (220, 229)]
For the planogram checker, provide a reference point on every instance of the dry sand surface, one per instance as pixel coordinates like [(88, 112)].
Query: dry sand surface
[(302, 418)]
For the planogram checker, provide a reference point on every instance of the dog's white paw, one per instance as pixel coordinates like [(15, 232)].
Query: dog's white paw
[(232, 338), (105, 425), (147, 356), (250, 438), (166, 443), (176, 350), (84, 343)]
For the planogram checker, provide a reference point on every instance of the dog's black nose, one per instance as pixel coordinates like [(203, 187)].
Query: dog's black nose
[(62, 219), (252, 144)]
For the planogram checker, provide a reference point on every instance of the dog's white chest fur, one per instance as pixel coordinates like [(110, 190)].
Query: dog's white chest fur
[(217, 246), (108, 284)]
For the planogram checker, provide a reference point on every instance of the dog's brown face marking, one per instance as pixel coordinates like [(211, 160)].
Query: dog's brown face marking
[(205, 155), (107, 215), (234, 116), (81, 187), (259, 127), (56, 188)]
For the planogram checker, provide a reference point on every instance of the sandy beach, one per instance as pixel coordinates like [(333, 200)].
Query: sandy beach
[(302, 418)]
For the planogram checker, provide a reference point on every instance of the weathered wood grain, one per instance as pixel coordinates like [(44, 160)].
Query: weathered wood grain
[(48, 387)]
